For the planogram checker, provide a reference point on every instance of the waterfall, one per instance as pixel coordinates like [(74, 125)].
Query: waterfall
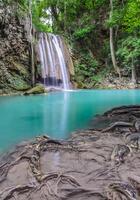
[(53, 61)]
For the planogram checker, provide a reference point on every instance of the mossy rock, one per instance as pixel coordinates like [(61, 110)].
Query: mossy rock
[(19, 68), (17, 83), (38, 89)]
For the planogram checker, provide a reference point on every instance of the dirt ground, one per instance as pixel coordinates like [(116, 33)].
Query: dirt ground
[(100, 163)]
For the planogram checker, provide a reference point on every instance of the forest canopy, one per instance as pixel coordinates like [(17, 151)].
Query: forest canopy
[(103, 35)]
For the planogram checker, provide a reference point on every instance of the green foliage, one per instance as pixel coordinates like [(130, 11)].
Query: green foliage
[(131, 19), (86, 25), (129, 49), (39, 13), (83, 32), (116, 18), (85, 70), (127, 15)]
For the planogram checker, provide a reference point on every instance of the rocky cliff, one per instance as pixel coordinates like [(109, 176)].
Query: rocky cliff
[(15, 70)]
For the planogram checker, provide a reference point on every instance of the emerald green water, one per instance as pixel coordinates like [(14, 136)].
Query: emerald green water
[(56, 114)]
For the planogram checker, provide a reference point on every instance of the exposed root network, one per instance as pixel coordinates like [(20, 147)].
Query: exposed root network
[(100, 164)]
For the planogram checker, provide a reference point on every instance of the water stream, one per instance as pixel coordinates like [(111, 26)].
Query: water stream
[(53, 62)]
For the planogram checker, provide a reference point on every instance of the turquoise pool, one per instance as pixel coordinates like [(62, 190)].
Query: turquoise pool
[(56, 114)]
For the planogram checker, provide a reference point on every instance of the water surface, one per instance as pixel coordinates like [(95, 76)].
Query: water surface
[(56, 114)]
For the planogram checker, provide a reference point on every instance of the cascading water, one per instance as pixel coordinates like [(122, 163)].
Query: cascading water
[(53, 62)]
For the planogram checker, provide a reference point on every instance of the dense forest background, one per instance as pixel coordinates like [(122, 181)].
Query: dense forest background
[(103, 37)]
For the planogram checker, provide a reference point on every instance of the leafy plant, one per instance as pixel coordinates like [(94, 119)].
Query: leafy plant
[(129, 49)]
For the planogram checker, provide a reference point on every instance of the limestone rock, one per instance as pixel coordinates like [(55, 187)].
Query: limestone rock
[(38, 89), (15, 67)]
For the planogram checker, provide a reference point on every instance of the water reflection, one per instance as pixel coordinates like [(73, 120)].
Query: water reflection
[(64, 114), (57, 121)]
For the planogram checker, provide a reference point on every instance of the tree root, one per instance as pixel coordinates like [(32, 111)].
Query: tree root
[(96, 165), (117, 125), (122, 189), (122, 110), (8, 193), (84, 193), (60, 177)]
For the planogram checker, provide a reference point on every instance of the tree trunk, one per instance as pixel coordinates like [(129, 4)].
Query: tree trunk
[(65, 14), (31, 42), (112, 50), (134, 78)]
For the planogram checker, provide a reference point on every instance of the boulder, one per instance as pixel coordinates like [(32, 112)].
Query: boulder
[(38, 89)]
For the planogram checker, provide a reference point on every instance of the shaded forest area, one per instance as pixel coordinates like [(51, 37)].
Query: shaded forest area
[(103, 36)]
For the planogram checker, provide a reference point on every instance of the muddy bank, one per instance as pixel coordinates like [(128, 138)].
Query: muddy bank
[(99, 163)]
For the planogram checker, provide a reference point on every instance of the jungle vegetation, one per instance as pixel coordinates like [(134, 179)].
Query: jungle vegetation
[(104, 35)]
